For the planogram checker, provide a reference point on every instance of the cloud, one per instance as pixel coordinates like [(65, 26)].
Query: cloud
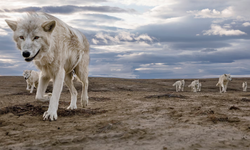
[(126, 36), (3, 32), (95, 41), (207, 13), (13, 4), (146, 2), (72, 9), (101, 17), (218, 30), (106, 37), (122, 36), (143, 37), (246, 24)]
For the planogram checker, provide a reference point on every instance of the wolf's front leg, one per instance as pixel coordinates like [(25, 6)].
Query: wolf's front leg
[(51, 113), (43, 83), (28, 87), (32, 88)]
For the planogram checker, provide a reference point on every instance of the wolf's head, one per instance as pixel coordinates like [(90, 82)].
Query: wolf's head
[(26, 74), (31, 35), (228, 77)]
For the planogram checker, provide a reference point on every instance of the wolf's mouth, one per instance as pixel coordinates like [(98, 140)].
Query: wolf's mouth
[(30, 59)]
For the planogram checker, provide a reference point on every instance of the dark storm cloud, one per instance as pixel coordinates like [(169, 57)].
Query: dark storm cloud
[(188, 30), (16, 69), (160, 74), (194, 58), (102, 58), (198, 45), (7, 44), (72, 9), (208, 50)]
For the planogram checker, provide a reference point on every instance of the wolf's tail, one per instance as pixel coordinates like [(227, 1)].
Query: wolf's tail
[(217, 84), (174, 84), (189, 85)]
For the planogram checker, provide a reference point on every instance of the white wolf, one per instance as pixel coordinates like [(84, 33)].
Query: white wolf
[(179, 85), (223, 82), (244, 86), (31, 78), (194, 85), (56, 49)]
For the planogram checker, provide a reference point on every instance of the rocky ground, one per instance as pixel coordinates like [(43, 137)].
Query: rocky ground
[(128, 114)]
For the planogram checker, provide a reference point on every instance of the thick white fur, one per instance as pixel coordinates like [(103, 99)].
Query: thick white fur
[(244, 86), (31, 78), (194, 85), (223, 82), (179, 85), (63, 49)]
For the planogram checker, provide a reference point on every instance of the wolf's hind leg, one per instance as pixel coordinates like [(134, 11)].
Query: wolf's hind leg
[(69, 82), (82, 74)]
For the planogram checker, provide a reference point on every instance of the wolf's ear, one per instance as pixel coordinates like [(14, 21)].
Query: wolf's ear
[(225, 74), (49, 26), (12, 24)]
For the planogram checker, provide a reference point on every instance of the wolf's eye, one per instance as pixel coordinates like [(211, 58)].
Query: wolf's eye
[(36, 37), (21, 37)]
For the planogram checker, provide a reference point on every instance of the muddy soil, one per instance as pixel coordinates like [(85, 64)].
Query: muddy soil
[(128, 114)]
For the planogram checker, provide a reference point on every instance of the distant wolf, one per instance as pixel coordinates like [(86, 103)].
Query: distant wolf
[(31, 78), (194, 85), (244, 86), (179, 85), (56, 49), (223, 82)]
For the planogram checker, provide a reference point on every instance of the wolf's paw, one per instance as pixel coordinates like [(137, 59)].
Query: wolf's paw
[(45, 98), (84, 103), (50, 115), (72, 107), (28, 89)]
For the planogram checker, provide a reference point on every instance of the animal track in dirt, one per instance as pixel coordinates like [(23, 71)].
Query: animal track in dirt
[(99, 99), (108, 126), (166, 96), (215, 118), (22, 93), (234, 108), (245, 99), (33, 110)]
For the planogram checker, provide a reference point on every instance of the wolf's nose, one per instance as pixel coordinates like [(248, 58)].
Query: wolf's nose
[(26, 54)]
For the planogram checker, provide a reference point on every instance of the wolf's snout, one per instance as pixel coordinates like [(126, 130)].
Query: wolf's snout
[(26, 54)]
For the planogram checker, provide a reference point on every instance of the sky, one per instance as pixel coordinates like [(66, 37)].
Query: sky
[(145, 39)]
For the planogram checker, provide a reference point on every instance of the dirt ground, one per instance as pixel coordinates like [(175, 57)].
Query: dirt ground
[(128, 114)]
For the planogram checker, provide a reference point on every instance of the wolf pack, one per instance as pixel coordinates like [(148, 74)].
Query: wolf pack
[(196, 84), (61, 53), (32, 78)]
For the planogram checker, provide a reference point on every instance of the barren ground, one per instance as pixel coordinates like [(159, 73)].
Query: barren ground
[(128, 114)]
